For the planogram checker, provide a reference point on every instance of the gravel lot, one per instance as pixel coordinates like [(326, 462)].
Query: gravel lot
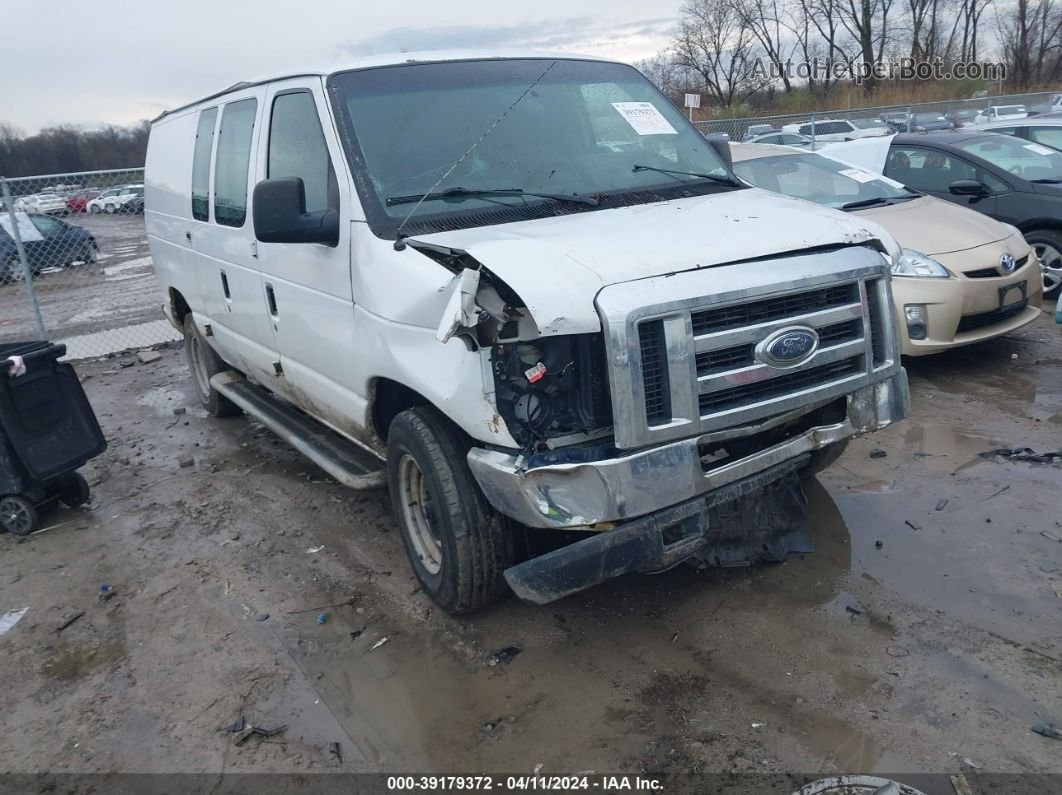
[(922, 636)]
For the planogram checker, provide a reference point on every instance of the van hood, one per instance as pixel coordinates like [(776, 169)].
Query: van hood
[(558, 265), (933, 226)]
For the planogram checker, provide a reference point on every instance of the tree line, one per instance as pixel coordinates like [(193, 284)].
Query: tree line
[(67, 148), (721, 46)]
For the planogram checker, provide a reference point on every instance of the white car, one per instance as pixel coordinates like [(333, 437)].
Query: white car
[(521, 333), (1035, 129), (115, 199), (47, 203), (1000, 113), (836, 129)]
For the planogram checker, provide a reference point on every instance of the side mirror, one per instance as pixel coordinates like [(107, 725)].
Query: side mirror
[(720, 142), (967, 187), (279, 211)]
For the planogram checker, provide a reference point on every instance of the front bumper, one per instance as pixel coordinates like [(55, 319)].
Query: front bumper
[(640, 483)]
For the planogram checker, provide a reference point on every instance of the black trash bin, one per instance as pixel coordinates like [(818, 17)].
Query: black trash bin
[(47, 431)]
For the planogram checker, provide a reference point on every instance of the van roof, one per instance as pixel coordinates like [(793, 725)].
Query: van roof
[(388, 59)]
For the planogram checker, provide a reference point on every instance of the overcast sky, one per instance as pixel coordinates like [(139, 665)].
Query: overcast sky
[(95, 61)]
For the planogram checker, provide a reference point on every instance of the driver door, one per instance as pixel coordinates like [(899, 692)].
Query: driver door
[(932, 171)]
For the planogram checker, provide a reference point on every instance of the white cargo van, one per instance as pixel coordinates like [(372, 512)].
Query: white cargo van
[(524, 294)]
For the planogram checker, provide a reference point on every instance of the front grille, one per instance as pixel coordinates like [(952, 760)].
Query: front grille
[(739, 396), (971, 322), (730, 317), (726, 359), (654, 372), (876, 317), (840, 332), (991, 273)]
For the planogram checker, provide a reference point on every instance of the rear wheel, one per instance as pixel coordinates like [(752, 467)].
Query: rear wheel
[(1047, 243), (204, 365), (76, 493), (18, 515), (458, 545)]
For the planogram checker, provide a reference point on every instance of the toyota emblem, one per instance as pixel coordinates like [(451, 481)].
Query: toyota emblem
[(1007, 263)]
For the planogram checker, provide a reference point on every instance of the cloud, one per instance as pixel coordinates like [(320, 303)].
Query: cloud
[(577, 34)]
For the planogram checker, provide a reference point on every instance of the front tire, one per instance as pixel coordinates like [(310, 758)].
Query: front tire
[(204, 364), (1047, 243), (458, 545)]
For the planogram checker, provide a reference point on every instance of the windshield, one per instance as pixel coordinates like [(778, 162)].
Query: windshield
[(1023, 158), (821, 180), (867, 124), (551, 126), (1010, 110)]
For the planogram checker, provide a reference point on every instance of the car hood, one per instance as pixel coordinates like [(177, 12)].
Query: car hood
[(558, 265), (868, 153), (934, 226)]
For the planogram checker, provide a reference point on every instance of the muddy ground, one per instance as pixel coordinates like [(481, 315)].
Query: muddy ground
[(925, 634)]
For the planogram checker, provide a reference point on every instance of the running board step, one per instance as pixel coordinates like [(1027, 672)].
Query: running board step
[(341, 458)]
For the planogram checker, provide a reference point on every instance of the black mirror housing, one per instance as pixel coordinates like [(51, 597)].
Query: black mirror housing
[(967, 187), (279, 211)]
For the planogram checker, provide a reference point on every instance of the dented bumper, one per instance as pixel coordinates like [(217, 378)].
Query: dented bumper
[(640, 483)]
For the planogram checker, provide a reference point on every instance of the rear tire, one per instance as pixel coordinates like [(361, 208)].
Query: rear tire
[(204, 364), (458, 545), (18, 515), (76, 493), (823, 459)]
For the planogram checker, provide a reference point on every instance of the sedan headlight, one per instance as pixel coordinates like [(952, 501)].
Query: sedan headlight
[(915, 263)]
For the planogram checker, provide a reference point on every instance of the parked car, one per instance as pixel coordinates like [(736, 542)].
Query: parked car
[(961, 117), (926, 122), (1014, 181), (47, 203), (877, 124), (755, 130), (505, 332), (77, 201), (785, 139), (48, 243), (962, 278), (1053, 105), (895, 121), (1044, 130), (115, 199), (1000, 112), (834, 130)]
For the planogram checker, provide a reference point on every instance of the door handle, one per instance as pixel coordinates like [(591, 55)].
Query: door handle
[(271, 300), (225, 286)]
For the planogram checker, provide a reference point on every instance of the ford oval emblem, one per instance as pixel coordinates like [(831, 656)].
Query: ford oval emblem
[(1007, 263), (788, 347)]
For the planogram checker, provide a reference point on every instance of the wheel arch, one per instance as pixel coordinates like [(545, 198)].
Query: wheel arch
[(387, 399)]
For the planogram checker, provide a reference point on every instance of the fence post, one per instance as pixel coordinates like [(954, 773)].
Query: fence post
[(27, 271), (814, 139)]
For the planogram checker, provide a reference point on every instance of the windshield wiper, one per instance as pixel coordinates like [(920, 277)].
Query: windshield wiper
[(712, 177), (1047, 181), (471, 193), (868, 203)]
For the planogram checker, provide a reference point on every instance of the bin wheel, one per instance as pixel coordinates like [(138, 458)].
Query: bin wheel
[(18, 515), (76, 493)]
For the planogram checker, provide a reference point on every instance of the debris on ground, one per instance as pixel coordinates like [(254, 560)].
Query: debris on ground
[(261, 616), (237, 726), (853, 610), (896, 650), (1051, 536), (258, 731), (942, 503), (912, 525), (314, 550), (380, 643), (1048, 568), (1026, 454), (70, 621), (106, 594), (877, 452), (10, 618), (185, 462), (322, 618), (177, 412), (878, 544), (490, 726), (758, 725), (504, 656), (147, 357), (336, 750), (1048, 730)]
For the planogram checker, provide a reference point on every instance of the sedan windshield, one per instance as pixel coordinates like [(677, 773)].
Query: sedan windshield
[(484, 137), (1026, 159), (821, 180)]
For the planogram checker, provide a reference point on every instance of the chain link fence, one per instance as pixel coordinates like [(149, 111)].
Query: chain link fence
[(74, 263), (837, 125)]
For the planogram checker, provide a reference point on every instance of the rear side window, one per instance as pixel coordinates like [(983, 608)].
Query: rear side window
[(297, 147), (233, 158), (204, 142)]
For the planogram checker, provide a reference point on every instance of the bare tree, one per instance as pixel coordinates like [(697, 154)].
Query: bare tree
[(714, 42), (867, 22), (1030, 34), (764, 19)]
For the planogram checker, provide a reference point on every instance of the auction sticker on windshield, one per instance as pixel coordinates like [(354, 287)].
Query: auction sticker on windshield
[(858, 175), (644, 118), (1040, 150)]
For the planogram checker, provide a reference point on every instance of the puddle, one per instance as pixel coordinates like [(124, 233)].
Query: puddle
[(76, 662)]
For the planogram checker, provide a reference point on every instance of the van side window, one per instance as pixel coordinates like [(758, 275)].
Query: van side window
[(204, 142), (233, 158), (297, 148)]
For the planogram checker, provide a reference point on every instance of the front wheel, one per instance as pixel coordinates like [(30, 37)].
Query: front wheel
[(94, 209), (1047, 243), (204, 365), (458, 545)]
